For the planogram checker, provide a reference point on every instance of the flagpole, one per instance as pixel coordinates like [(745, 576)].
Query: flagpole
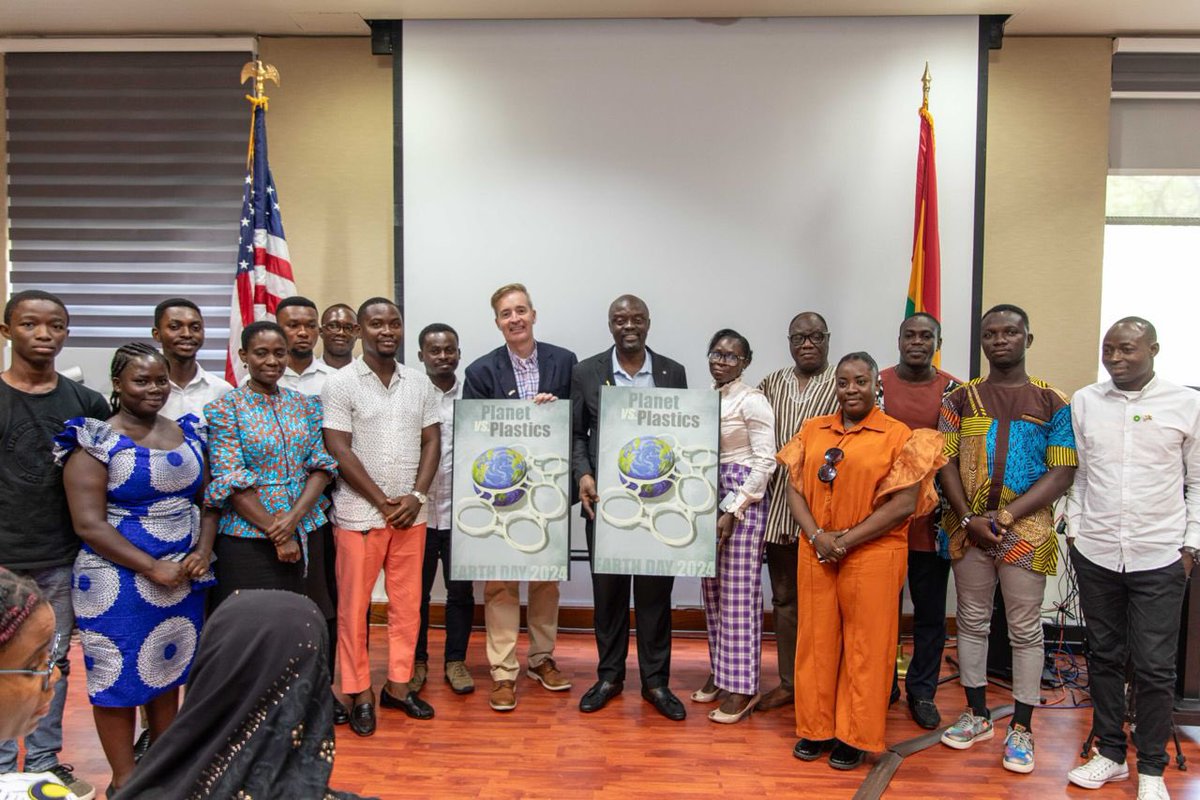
[(904, 659), (264, 273)]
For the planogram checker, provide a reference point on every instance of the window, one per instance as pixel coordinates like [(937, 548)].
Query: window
[(1152, 264), (125, 175)]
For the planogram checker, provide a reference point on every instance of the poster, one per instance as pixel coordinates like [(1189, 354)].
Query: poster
[(511, 490), (657, 480)]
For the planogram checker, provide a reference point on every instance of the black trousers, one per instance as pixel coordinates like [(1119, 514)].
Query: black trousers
[(460, 599), (1132, 617), (245, 563), (652, 607), (321, 583), (782, 564), (928, 575)]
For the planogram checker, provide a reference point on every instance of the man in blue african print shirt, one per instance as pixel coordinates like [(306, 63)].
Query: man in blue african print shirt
[(1011, 455)]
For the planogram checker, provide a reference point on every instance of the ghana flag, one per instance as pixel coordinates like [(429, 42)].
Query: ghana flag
[(925, 281)]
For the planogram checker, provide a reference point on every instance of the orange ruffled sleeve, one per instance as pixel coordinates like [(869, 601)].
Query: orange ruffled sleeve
[(792, 457), (917, 463)]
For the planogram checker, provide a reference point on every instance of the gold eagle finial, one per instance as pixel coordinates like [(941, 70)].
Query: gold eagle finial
[(261, 73)]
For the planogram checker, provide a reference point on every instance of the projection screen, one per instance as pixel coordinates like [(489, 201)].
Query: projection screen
[(731, 173)]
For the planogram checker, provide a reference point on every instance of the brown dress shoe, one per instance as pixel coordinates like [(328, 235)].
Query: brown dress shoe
[(778, 697), (420, 674), (503, 696), (547, 674)]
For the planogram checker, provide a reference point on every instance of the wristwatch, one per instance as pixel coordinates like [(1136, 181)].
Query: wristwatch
[(813, 539), (421, 496), (1005, 517), (1191, 551)]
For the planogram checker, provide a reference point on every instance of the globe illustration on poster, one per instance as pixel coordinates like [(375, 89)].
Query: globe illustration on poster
[(642, 461), (498, 474)]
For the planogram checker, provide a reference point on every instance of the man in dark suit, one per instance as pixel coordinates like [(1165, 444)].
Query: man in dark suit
[(627, 363), (521, 369)]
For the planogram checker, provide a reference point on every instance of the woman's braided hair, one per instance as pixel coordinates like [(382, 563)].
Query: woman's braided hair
[(19, 597)]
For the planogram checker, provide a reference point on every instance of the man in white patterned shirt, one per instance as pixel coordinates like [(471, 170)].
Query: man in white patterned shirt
[(382, 426), (1133, 517), (525, 369)]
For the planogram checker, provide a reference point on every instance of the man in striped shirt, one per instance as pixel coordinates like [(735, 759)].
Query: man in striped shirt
[(803, 390)]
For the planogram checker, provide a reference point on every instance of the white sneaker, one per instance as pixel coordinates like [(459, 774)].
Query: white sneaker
[(1152, 787), (1097, 772)]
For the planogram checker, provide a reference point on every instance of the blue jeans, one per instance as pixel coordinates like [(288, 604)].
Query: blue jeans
[(44, 744)]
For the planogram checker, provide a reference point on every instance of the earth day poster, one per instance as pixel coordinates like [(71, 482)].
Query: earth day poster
[(511, 490), (656, 475)]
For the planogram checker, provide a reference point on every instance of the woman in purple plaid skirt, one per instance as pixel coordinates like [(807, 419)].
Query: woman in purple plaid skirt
[(733, 600)]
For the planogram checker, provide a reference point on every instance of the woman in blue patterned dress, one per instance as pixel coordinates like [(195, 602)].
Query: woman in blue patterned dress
[(269, 468), (134, 483)]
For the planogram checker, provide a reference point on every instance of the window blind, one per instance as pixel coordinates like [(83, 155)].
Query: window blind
[(125, 186)]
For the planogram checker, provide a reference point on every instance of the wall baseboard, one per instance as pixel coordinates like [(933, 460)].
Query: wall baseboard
[(684, 621)]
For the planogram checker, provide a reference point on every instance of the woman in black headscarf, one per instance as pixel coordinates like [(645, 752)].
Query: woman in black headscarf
[(257, 718)]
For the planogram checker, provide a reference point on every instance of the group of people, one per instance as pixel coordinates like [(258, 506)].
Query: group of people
[(184, 493)]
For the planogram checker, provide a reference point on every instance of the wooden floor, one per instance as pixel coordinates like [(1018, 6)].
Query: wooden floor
[(547, 749)]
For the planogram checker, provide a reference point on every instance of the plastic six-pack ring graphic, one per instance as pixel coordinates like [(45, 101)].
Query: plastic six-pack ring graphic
[(660, 478), (513, 486)]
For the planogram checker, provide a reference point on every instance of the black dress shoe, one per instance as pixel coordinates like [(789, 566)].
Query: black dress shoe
[(810, 749), (341, 714), (845, 757), (362, 719), (924, 713), (665, 702), (412, 705), (598, 696), (141, 746)]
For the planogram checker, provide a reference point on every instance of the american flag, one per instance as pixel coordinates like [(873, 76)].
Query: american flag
[(264, 269)]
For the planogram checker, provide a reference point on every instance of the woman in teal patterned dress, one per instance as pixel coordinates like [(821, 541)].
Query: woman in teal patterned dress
[(269, 468), (134, 483)]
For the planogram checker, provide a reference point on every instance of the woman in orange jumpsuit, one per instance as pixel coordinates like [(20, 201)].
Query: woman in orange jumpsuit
[(856, 478)]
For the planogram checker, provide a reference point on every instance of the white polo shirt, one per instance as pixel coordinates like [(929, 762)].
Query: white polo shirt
[(441, 490), (199, 392), (309, 382)]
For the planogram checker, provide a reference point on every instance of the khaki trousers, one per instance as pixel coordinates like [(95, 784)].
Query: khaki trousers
[(502, 616)]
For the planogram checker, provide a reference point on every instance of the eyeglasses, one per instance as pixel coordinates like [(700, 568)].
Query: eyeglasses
[(339, 327), (45, 673), (818, 338), (724, 358), (833, 457)]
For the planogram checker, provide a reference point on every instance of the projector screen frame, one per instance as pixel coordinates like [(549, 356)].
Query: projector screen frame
[(387, 40)]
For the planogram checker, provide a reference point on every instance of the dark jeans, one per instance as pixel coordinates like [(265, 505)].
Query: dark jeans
[(1132, 617), (781, 565), (928, 575), (652, 608), (460, 600)]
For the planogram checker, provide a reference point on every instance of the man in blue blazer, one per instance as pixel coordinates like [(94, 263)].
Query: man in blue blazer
[(521, 369), (627, 363)]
